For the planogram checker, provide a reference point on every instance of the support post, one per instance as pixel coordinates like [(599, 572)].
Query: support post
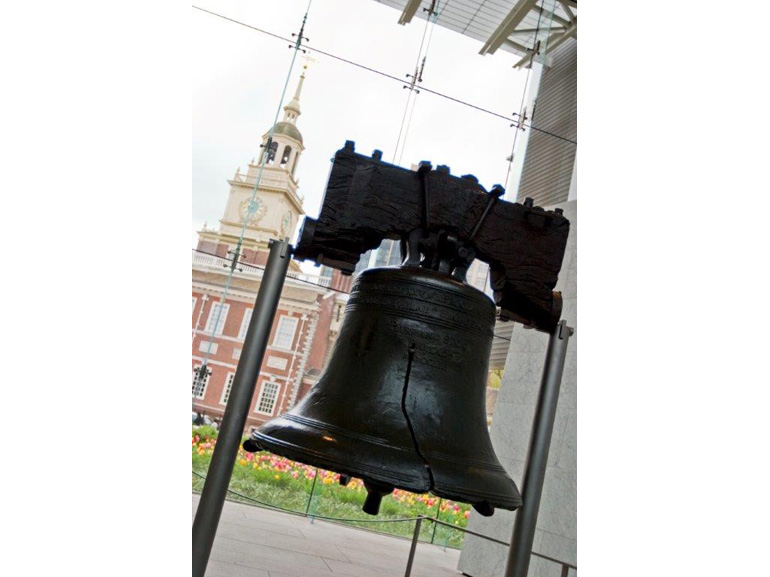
[(413, 548), (520, 551), (234, 420)]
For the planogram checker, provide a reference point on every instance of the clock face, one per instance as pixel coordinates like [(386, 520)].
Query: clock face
[(286, 224), (258, 210)]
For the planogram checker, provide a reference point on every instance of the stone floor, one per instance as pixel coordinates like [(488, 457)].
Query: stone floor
[(256, 542)]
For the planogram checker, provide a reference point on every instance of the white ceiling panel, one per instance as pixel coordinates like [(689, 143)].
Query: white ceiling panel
[(479, 19)]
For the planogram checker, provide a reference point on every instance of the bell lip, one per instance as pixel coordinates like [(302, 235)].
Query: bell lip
[(462, 495), (303, 455), (443, 490), (506, 500)]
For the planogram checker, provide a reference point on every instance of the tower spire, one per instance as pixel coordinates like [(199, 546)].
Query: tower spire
[(291, 110)]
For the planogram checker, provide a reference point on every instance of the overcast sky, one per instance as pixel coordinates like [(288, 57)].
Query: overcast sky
[(238, 75)]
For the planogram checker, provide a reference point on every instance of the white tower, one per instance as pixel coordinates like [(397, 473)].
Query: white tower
[(278, 206)]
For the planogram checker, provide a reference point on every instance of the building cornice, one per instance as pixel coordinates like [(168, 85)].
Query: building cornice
[(255, 277), (248, 297)]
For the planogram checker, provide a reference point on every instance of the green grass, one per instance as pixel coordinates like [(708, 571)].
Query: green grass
[(278, 482)]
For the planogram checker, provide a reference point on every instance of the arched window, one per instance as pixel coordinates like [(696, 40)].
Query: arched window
[(286, 156), (272, 149), (294, 165)]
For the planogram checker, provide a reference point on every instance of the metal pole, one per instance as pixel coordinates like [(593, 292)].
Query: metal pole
[(412, 550), (237, 409), (520, 551)]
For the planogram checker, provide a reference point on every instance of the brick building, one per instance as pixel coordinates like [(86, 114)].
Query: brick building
[(311, 306)]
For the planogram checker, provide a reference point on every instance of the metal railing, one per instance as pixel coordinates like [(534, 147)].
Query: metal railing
[(565, 566)]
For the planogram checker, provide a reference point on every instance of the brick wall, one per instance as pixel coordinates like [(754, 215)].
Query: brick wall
[(280, 364)]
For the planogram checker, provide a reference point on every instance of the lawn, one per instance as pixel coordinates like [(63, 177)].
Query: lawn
[(286, 484)]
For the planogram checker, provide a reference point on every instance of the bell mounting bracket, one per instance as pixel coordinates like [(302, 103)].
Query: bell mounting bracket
[(443, 222)]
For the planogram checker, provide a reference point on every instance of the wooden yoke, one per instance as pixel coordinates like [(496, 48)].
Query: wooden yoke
[(443, 223)]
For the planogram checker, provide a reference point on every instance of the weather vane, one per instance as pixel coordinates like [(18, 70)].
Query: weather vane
[(309, 59)]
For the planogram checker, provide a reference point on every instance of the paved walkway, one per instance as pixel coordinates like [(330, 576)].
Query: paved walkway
[(256, 542)]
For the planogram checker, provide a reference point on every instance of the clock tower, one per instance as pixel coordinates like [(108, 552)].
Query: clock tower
[(311, 307), (277, 208)]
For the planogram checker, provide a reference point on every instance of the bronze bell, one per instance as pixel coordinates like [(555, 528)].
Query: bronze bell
[(401, 403)]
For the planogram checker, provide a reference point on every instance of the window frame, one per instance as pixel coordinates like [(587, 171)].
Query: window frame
[(272, 152), (281, 320), (223, 398), (205, 388), (203, 346), (285, 158), (212, 318), (261, 396), (245, 323)]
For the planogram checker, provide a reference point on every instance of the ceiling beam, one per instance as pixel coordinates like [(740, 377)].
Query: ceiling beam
[(409, 11), (553, 41), (516, 46), (536, 30), (566, 5), (507, 26)]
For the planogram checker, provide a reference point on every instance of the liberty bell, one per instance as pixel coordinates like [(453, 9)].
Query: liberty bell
[(402, 400)]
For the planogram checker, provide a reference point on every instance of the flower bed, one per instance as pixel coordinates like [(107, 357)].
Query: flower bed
[(277, 481)]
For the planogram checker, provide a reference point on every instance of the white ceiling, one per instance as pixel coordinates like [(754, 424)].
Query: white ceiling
[(481, 19)]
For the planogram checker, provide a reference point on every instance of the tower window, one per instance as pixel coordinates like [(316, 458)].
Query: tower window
[(286, 156), (271, 150)]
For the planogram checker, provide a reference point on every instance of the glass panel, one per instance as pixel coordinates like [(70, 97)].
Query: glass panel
[(542, 21), (269, 480)]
